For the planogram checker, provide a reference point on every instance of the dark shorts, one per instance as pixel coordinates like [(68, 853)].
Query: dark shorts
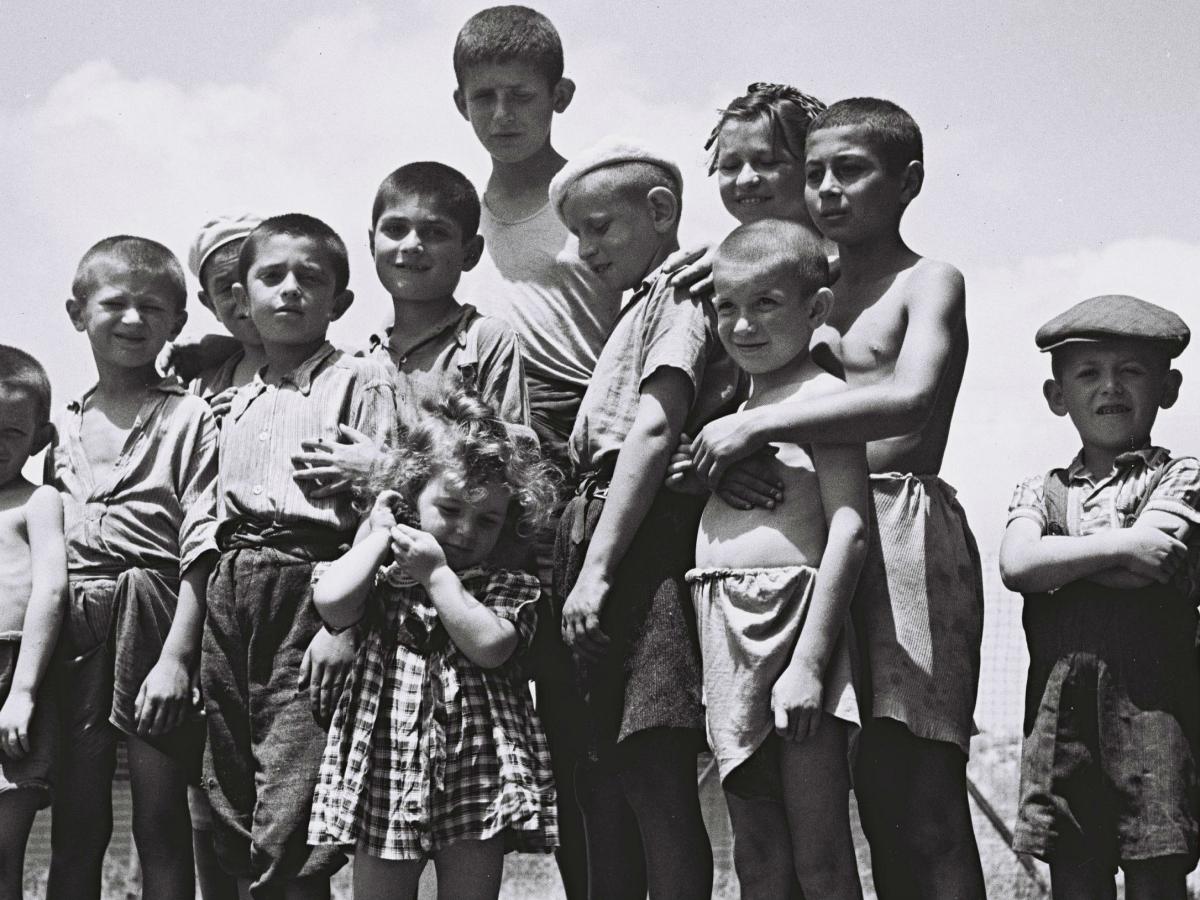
[(1108, 765), (650, 675), (35, 770), (264, 747)]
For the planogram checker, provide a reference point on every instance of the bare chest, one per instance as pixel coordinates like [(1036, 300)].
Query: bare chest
[(103, 441), (870, 339)]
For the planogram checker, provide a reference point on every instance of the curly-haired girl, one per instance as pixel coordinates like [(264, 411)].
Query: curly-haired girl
[(435, 750)]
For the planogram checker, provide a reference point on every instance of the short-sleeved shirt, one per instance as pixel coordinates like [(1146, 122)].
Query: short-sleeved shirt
[(479, 351), (266, 423), (531, 277), (661, 327), (1116, 500), (156, 508)]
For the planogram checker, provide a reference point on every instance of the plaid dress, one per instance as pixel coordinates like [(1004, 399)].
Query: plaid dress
[(427, 748)]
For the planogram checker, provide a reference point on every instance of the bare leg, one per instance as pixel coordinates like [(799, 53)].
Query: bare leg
[(162, 827), (658, 776), (1164, 878), (215, 883), (386, 879), (17, 811), (470, 870), (816, 795), (81, 824), (762, 850), (615, 858)]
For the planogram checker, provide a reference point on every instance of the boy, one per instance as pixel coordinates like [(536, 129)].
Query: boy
[(1112, 706), (263, 639), (624, 545), (772, 588), (33, 586), (213, 260), (899, 328), (135, 461)]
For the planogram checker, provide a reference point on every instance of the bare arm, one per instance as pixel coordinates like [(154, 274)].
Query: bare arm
[(340, 595)]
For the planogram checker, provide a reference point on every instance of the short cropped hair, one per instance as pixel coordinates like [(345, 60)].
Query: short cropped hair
[(774, 244), (21, 373), (632, 181), (448, 188), (129, 252), (789, 111), (891, 132), (504, 34), (298, 225)]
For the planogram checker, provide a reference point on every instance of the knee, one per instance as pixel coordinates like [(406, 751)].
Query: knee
[(162, 829), (929, 838)]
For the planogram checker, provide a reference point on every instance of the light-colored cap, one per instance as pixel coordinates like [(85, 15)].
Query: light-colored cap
[(215, 234), (610, 151)]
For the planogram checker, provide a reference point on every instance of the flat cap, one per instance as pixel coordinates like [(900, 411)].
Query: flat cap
[(215, 234), (609, 151), (1115, 317)]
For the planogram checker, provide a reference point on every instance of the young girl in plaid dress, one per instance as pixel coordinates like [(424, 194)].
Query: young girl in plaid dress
[(434, 750)]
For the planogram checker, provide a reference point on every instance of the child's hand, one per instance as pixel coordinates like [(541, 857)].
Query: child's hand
[(719, 444), (417, 552), (796, 702), (164, 698), (752, 482), (581, 617), (383, 513), (324, 668), (1151, 553), (681, 477), (15, 716), (691, 269), (220, 403), (325, 467), (188, 359)]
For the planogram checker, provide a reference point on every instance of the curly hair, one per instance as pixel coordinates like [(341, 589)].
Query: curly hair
[(788, 110), (459, 433)]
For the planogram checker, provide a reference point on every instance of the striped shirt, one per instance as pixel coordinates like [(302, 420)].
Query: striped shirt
[(267, 422), (156, 507)]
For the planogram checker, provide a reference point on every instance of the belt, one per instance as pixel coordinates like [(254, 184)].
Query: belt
[(309, 542)]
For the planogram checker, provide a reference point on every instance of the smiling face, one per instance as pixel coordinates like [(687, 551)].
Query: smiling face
[(466, 523), (217, 279), (21, 434), (290, 291), (851, 196), (1112, 391), (128, 316), (419, 250), (758, 179), (765, 317), (510, 107)]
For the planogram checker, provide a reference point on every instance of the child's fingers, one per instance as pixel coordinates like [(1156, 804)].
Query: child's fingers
[(781, 720), (305, 671), (353, 435), (328, 490), (703, 287)]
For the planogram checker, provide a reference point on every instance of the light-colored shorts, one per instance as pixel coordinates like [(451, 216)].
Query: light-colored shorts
[(749, 621)]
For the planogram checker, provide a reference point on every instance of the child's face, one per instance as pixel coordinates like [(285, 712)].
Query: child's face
[(764, 318), (128, 317), (291, 292), (21, 435), (510, 107), (420, 253), (465, 523), (850, 194), (1112, 390), (757, 178), (619, 238), (218, 278)]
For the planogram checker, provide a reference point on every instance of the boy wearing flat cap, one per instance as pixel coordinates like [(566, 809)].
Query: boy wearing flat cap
[(1103, 552), (624, 542)]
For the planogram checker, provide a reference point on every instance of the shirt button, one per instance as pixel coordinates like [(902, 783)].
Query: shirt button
[(262, 435), (257, 489)]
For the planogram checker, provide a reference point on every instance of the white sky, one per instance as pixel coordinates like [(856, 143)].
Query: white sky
[(1061, 143)]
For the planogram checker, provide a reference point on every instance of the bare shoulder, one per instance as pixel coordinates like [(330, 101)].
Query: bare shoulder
[(809, 382), (44, 504), (932, 279)]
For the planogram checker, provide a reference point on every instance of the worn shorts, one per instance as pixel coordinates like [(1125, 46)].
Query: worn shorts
[(749, 621), (35, 770), (264, 746)]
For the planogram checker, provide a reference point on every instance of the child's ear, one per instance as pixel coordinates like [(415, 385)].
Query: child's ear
[(1053, 393), (1171, 389), (206, 301), (664, 208), (472, 252), (75, 312), (43, 436), (177, 326), (819, 307), (911, 180), (341, 303), (563, 93), (460, 103)]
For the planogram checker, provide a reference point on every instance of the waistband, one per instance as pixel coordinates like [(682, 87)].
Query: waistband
[(309, 542)]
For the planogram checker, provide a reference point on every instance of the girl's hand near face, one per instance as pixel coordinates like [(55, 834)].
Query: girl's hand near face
[(418, 552)]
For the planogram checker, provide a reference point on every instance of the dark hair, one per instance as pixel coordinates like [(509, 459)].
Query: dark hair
[(298, 225), (781, 242), (503, 34), (891, 132), (448, 188), (789, 111), (136, 253), (21, 373), (458, 432)]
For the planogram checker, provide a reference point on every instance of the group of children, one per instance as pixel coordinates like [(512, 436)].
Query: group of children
[(309, 589)]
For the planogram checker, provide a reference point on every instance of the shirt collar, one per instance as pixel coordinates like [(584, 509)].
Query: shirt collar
[(301, 377), (399, 347), (1148, 456), (168, 384)]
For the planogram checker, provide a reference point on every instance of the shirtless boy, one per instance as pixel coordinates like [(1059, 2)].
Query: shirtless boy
[(772, 588), (33, 584), (898, 326)]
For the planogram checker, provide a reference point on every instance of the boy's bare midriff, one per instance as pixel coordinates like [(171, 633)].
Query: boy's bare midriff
[(16, 578)]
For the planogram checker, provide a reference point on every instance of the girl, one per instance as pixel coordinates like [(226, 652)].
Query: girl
[(434, 750)]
